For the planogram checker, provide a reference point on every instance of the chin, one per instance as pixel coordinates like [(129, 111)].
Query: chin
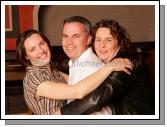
[(41, 62), (71, 56), (102, 58)]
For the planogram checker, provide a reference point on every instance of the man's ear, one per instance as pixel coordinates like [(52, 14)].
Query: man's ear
[(89, 40)]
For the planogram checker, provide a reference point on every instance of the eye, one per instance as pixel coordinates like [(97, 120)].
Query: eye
[(97, 39), (42, 42), (109, 40), (32, 49), (64, 36), (76, 35)]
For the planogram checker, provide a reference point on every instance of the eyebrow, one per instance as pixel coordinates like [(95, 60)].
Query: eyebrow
[(105, 38), (76, 34), (65, 35), (39, 42)]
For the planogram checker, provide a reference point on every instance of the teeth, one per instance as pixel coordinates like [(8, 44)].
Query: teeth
[(43, 56), (70, 48), (102, 52)]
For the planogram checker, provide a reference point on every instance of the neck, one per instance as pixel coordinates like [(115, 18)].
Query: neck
[(74, 59), (107, 61), (49, 68)]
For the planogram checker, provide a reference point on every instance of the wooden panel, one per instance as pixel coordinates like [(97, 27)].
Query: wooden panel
[(14, 22), (8, 18), (26, 17), (21, 20)]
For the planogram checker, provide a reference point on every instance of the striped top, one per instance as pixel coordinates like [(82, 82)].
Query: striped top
[(41, 105)]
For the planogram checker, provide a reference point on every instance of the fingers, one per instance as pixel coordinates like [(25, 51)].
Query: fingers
[(128, 62), (126, 71), (129, 66), (122, 64)]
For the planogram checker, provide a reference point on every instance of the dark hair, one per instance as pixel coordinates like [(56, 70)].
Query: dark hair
[(117, 31), (81, 20), (20, 49)]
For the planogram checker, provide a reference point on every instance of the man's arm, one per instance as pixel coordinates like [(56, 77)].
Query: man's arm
[(111, 89)]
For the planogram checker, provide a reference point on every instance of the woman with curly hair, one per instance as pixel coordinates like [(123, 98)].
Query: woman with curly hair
[(120, 93)]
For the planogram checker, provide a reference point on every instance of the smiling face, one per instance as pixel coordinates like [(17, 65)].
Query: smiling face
[(106, 46), (37, 50), (75, 39)]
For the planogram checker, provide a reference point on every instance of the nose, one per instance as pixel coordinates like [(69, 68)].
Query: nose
[(40, 49), (103, 44), (69, 41)]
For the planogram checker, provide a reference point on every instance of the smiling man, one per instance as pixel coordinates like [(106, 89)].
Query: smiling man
[(76, 37)]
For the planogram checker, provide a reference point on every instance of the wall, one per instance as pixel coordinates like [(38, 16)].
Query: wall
[(138, 20), (18, 18)]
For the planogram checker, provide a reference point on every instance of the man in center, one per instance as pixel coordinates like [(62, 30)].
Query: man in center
[(76, 38)]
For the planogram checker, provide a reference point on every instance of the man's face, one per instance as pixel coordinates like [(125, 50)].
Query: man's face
[(75, 39)]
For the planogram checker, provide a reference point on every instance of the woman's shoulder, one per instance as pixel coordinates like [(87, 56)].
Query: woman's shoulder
[(34, 74)]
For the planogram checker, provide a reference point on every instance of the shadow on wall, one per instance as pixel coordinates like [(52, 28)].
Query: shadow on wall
[(133, 17)]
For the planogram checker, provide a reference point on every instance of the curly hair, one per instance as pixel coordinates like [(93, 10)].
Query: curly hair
[(117, 31)]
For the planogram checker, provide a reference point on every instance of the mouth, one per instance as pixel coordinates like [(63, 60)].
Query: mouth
[(70, 49), (43, 56), (103, 52)]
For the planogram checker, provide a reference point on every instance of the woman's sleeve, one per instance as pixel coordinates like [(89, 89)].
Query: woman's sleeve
[(32, 81), (111, 89)]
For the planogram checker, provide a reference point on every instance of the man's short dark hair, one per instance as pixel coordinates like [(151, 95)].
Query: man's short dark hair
[(81, 20)]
